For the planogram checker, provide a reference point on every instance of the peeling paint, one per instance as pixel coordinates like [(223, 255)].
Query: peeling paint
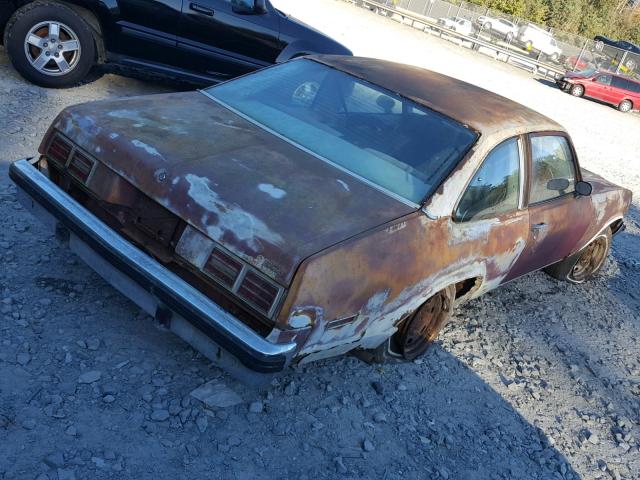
[(344, 185), (147, 148), (271, 190), (222, 217)]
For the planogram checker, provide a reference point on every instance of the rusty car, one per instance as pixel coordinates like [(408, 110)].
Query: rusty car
[(324, 205)]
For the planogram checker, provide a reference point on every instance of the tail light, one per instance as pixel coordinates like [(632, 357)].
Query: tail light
[(80, 166), (223, 268), (258, 291), (230, 272), (59, 151)]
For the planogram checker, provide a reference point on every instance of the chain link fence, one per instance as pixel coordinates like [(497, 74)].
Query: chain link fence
[(559, 50)]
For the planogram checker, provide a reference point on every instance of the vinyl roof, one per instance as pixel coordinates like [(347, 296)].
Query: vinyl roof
[(480, 109)]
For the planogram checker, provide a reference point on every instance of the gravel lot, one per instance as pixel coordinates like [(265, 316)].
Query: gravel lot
[(539, 379)]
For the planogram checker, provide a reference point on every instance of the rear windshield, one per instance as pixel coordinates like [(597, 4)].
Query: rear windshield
[(399, 146)]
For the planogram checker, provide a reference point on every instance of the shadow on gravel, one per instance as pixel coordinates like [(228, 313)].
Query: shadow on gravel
[(335, 419)]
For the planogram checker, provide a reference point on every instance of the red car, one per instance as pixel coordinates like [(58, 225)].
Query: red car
[(608, 87)]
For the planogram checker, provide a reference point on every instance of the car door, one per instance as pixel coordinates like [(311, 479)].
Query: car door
[(599, 87), (620, 89), (558, 216), (491, 214), (219, 41), (146, 29)]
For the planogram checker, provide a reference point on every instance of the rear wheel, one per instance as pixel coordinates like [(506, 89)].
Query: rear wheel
[(625, 106), (417, 332), (577, 90), (50, 44), (581, 266), (591, 259)]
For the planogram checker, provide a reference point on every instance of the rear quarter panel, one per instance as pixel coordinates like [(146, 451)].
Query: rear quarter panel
[(383, 275), (610, 203)]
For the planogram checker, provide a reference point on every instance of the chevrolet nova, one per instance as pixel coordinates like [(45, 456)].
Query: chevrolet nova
[(325, 205)]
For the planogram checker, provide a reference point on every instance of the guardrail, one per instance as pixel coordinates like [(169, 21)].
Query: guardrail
[(501, 53)]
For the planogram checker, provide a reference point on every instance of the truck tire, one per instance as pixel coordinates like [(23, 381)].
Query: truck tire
[(50, 44)]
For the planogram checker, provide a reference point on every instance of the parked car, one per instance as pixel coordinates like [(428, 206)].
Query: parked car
[(389, 4), (621, 44), (498, 26), (575, 62), (620, 53), (241, 215), (55, 43), (460, 25), (535, 38), (624, 93)]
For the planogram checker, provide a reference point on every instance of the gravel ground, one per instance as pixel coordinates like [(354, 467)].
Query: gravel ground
[(539, 379)]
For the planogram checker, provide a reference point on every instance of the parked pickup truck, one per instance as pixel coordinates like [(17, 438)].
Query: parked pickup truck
[(55, 43)]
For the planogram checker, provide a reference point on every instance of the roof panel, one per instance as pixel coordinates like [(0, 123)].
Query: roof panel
[(473, 106)]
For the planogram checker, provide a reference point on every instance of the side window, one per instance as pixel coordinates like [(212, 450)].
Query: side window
[(604, 79), (553, 168), (621, 83), (495, 187)]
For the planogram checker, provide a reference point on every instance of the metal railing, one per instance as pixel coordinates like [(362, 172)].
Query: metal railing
[(519, 42), (501, 52)]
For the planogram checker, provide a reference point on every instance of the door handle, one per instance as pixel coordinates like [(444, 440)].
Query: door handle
[(538, 227), (200, 9)]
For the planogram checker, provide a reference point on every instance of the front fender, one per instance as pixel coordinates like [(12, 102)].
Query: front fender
[(301, 47)]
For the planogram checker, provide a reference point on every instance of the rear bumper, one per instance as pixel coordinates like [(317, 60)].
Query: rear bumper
[(185, 310)]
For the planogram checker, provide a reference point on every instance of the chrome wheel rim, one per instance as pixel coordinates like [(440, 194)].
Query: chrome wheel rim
[(591, 259), (625, 106), (52, 48), (577, 91)]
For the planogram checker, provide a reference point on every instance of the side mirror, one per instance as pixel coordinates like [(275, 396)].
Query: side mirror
[(584, 188), (260, 7), (243, 7)]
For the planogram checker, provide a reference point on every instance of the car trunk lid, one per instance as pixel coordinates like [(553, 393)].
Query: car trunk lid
[(259, 196)]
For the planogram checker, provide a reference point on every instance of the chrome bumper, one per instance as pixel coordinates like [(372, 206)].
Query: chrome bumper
[(186, 311)]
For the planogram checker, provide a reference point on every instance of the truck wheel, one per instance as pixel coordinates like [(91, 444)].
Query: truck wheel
[(577, 90), (625, 106), (585, 264), (554, 57), (416, 333), (50, 45)]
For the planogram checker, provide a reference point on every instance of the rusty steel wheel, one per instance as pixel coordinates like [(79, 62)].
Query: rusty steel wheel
[(591, 259), (419, 330)]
